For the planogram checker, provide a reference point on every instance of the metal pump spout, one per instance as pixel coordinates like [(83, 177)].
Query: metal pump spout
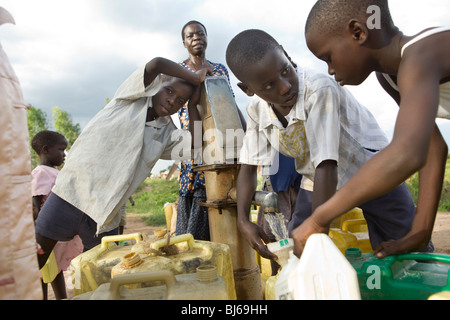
[(267, 200)]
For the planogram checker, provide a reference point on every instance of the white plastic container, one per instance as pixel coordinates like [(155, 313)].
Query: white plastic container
[(322, 273), (281, 249), (282, 289)]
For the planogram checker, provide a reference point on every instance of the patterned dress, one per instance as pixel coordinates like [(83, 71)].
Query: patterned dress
[(192, 218)]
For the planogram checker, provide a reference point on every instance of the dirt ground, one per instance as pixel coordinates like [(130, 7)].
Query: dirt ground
[(441, 234), (441, 240)]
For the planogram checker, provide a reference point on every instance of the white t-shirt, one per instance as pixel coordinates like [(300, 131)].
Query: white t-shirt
[(116, 152)]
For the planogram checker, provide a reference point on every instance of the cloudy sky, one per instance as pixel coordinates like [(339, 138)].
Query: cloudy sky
[(75, 53)]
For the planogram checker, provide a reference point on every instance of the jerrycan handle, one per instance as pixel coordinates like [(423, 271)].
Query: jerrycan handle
[(355, 222), (121, 237), (177, 239), (434, 257), (130, 278)]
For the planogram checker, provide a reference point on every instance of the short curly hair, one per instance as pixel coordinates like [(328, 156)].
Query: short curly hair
[(188, 24), (331, 16), (248, 48), (45, 138)]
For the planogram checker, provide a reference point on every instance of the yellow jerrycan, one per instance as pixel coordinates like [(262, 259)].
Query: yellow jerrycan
[(204, 284), (350, 231), (93, 267), (444, 295), (180, 254)]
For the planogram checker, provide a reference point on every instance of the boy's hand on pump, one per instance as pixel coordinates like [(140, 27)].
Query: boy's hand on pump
[(203, 73), (201, 76)]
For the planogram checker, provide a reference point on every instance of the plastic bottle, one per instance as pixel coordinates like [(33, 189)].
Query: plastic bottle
[(282, 289), (322, 273), (282, 249)]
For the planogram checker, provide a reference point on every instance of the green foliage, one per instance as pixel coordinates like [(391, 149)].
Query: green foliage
[(444, 203), (151, 196), (62, 122)]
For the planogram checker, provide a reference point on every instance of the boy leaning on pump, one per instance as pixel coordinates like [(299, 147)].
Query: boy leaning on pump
[(115, 153)]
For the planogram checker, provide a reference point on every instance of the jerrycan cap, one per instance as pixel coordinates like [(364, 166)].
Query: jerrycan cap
[(131, 260), (206, 273), (353, 253)]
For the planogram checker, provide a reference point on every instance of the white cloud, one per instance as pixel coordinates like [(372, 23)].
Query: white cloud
[(75, 53)]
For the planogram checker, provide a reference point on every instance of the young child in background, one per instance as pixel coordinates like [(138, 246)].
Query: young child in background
[(309, 117), (356, 38), (50, 147), (116, 152)]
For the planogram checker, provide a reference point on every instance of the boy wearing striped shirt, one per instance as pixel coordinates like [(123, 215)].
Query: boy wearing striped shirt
[(309, 117)]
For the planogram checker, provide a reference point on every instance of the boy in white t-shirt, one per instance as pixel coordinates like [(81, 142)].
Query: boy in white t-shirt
[(309, 117)]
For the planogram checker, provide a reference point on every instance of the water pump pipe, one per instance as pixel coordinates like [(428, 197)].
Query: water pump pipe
[(219, 155)]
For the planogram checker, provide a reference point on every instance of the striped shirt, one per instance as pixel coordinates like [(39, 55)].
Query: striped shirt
[(326, 123)]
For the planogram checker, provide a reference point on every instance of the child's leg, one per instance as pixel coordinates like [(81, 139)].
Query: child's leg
[(44, 290), (47, 246), (59, 286)]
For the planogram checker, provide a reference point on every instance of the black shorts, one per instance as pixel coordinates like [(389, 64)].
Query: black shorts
[(61, 221)]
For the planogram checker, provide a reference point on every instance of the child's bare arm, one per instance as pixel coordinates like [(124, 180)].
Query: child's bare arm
[(422, 92), (194, 115), (161, 65), (407, 153), (37, 202), (246, 186), (325, 182), (430, 187)]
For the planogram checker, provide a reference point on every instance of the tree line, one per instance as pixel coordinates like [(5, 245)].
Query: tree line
[(62, 123)]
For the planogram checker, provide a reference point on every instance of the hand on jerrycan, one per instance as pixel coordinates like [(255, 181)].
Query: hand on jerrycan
[(303, 231), (413, 241)]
